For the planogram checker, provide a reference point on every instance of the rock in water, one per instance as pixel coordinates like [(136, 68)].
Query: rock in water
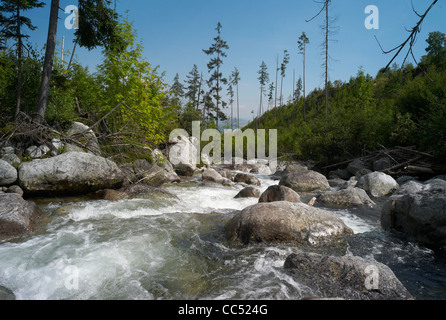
[(18, 217), (305, 181), (418, 210), (279, 193), (247, 178), (285, 222), (71, 173), (377, 184), (248, 192), (346, 198), (347, 277)]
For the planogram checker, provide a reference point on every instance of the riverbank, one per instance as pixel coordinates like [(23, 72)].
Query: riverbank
[(170, 241)]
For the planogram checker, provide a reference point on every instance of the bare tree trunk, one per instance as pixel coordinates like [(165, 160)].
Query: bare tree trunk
[(19, 66), (326, 58), (305, 108), (275, 99), (48, 63), (238, 110)]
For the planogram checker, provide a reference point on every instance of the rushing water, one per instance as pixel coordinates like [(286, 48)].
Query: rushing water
[(167, 248)]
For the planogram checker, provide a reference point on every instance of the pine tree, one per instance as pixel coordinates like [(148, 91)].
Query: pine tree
[(283, 66), (235, 82), (231, 100), (302, 43), (263, 79), (215, 82), (12, 24), (193, 87)]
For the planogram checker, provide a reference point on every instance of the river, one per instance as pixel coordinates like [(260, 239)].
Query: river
[(167, 248)]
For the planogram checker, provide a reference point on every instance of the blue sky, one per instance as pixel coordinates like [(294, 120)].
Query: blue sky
[(174, 32)]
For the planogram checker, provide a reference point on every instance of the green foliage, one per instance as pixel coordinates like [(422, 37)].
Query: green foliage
[(126, 77)]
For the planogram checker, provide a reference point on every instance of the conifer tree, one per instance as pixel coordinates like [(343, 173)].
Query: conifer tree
[(235, 82), (216, 81), (302, 43), (12, 25)]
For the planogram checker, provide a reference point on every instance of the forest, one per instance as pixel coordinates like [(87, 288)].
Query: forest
[(130, 105)]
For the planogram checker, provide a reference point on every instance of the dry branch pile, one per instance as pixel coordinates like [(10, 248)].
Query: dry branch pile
[(404, 161)]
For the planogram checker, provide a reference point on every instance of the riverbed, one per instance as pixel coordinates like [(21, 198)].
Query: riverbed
[(174, 248)]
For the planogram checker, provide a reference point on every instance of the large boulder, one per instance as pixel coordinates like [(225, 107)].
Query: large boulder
[(377, 184), (71, 173), (247, 178), (305, 181), (18, 217), (8, 174), (183, 155), (418, 210), (347, 277), (279, 193), (345, 198), (285, 222), (356, 165)]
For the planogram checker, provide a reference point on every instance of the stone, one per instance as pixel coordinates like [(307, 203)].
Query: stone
[(345, 198), (356, 165), (419, 211), (382, 164), (84, 135), (248, 192), (158, 176), (305, 181), (71, 173), (247, 178), (15, 189), (282, 221), (377, 184), (279, 193), (8, 174), (18, 217), (210, 174), (11, 158), (111, 195), (34, 152), (347, 277)]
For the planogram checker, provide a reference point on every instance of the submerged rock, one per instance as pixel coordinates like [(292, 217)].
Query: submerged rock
[(418, 210), (347, 277), (279, 193), (71, 173), (305, 181), (285, 222), (18, 217)]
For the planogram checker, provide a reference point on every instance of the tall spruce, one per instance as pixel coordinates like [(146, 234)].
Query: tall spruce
[(12, 26), (193, 87), (263, 79), (302, 43), (216, 80), (235, 76), (283, 66)]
